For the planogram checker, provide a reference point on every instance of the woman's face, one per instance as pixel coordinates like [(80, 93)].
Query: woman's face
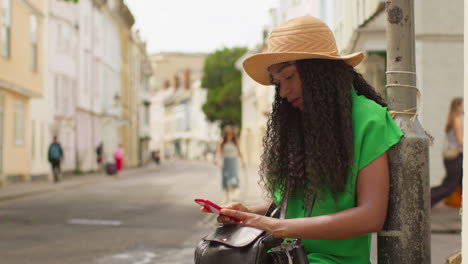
[(461, 109), (285, 75), (229, 132)]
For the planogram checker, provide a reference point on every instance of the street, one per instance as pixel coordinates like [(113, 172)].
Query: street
[(143, 216)]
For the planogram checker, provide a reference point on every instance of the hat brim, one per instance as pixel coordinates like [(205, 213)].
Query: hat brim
[(257, 65)]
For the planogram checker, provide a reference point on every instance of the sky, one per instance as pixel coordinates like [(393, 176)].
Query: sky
[(200, 25)]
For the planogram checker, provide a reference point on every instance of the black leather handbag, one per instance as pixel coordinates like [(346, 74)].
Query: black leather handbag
[(234, 244)]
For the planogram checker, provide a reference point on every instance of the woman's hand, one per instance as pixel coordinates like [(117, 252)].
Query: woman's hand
[(233, 206), (266, 223), (243, 164)]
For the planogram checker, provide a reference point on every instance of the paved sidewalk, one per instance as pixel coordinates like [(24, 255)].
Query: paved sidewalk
[(446, 220), (20, 190)]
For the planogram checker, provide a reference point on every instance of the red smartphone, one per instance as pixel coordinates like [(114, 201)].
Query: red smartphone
[(214, 208)]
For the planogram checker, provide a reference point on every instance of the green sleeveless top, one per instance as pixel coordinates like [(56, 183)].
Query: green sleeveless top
[(374, 133)]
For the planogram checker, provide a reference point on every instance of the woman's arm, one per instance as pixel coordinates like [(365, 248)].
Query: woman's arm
[(260, 208), (240, 153), (457, 125), (219, 154), (368, 216)]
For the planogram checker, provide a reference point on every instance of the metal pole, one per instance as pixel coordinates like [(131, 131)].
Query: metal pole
[(405, 237)]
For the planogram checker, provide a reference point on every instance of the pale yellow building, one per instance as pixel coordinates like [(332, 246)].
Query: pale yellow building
[(129, 127), (256, 107), (167, 67), (21, 78)]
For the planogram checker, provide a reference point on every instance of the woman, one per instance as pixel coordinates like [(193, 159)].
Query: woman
[(327, 140), (453, 166), (227, 159), (118, 157)]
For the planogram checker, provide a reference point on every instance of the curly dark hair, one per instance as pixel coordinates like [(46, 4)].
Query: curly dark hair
[(312, 150)]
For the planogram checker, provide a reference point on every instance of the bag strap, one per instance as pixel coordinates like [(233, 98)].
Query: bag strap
[(284, 205)]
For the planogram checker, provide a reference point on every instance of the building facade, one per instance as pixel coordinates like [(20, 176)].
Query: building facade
[(139, 102), (128, 89), (41, 111), (109, 75), (89, 92), (439, 60), (144, 109), (62, 77), (171, 107), (256, 107), (21, 80), (64, 67)]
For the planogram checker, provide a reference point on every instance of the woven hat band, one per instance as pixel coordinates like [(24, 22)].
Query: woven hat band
[(305, 39)]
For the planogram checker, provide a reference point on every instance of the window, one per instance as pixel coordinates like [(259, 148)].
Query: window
[(42, 139), (71, 94), (296, 2), (34, 42), (59, 37), (358, 11), (19, 122), (86, 73), (147, 115), (364, 6), (323, 11), (64, 35), (6, 27), (187, 108), (65, 95), (33, 139), (57, 91)]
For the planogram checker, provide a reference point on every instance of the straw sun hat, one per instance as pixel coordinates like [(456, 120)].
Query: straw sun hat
[(296, 39)]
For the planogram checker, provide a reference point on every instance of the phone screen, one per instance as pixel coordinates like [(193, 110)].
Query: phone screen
[(214, 208)]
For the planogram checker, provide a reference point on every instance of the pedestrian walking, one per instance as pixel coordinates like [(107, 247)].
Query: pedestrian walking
[(55, 156), (453, 153), (325, 147), (227, 159), (119, 158), (100, 156), (156, 157)]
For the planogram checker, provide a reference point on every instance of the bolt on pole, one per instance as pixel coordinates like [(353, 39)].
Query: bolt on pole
[(405, 237)]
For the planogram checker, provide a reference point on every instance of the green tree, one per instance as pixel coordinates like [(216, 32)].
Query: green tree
[(223, 81)]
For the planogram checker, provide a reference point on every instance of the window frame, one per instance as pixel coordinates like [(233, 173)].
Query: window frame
[(19, 125), (34, 42), (6, 28)]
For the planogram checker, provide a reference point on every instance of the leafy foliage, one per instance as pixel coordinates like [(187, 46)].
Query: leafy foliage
[(223, 81)]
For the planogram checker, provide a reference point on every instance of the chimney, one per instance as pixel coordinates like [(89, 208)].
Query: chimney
[(187, 78), (176, 82)]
